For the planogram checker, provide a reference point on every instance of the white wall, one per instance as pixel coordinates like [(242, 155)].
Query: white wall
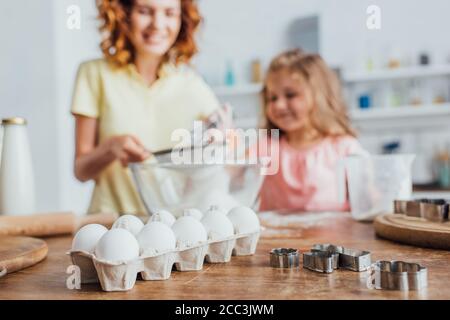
[(72, 47), (407, 26), (244, 30), (27, 87), (241, 31), (38, 64)]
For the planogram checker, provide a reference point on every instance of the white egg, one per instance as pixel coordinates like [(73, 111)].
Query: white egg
[(189, 231), (87, 237), (163, 216), (117, 245), (130, 223), (244, 220), (156, 237), (195, 213), (217, 224)]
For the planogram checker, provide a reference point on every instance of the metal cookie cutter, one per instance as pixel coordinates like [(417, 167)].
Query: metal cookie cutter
[(399, 275), (400, 206), (335, 250), (435, 210), (320, 261), (355, 260), (413, 208), (284, 258), (3, 271)]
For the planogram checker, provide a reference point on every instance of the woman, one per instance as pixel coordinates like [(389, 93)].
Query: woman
[(130, 101)]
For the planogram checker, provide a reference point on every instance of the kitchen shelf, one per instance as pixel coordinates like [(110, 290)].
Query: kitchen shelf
[(244, 89), (429, 187), (400, 73), (401, 112), (431, 195)]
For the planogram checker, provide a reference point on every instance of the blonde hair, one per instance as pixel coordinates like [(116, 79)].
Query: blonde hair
[(329, 115)]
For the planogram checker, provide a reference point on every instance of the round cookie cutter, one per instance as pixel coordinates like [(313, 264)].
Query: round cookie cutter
[(284, 258)]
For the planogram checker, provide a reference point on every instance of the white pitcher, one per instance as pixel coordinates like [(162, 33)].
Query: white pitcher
[(17, 192), (374, 182)]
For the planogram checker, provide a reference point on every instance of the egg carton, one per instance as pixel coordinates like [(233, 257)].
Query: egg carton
[(121, 276)]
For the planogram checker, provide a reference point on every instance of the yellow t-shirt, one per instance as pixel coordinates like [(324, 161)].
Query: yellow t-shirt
[(124, 104)]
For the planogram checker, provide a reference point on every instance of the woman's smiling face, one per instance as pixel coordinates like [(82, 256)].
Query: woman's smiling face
[(288, 101), (155, 25)]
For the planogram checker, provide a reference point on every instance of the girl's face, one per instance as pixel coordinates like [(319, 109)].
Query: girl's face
[(155, 25), (289, 101)]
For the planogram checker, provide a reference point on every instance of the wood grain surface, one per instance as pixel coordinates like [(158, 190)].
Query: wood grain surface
[(251, 277), (414, 231), (17, 253)]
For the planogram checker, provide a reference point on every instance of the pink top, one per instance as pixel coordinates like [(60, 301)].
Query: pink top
[(307, 179)]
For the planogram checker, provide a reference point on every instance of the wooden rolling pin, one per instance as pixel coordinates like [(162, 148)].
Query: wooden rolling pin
[(42, 225)]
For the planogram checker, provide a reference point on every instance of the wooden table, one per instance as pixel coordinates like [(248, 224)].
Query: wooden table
[(251, 277)]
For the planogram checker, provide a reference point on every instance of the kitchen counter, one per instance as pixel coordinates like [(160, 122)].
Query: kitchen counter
[(251, 277)]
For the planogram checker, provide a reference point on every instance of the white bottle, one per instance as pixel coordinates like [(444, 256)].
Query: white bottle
[(17, 193)]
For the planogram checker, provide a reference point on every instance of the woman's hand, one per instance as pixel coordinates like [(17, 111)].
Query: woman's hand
[(92, 158), (127, 149)]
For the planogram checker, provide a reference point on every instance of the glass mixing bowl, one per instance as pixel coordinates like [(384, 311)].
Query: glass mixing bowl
[(178, 187)]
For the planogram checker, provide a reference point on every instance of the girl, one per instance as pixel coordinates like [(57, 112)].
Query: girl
[(302, 98)]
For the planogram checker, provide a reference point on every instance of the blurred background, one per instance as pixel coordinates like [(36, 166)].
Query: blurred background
[(396, 79)]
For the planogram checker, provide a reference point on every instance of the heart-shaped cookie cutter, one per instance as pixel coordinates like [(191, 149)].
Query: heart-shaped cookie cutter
[(328, 257), (345, 258)]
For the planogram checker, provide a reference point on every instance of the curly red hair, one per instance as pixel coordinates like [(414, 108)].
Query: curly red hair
[(116, 45)]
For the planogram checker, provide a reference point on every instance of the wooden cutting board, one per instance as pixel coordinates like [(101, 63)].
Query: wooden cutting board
[(414, 231), (17, 253)]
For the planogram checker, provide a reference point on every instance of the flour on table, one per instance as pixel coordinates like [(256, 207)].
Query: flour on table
[(274, 219)]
